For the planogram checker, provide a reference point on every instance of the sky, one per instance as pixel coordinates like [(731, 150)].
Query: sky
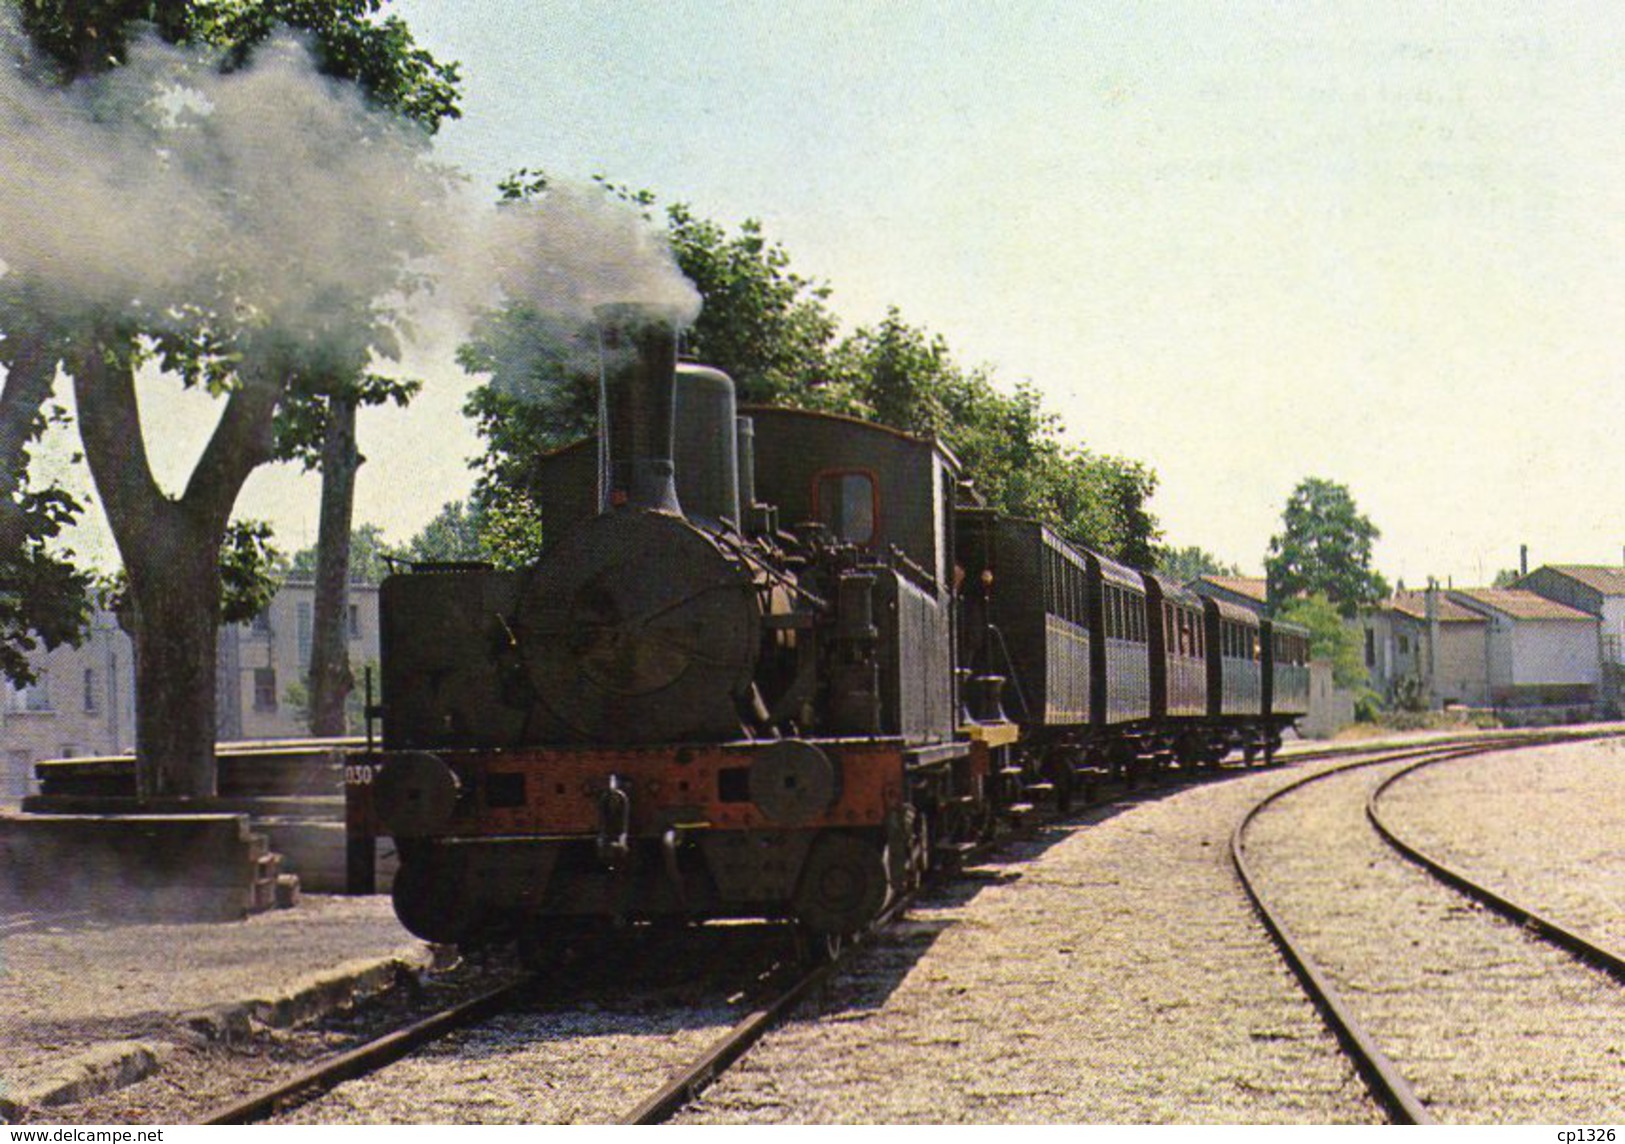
[(1244, 243)]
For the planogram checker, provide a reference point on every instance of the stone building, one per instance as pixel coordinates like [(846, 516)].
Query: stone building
[(1598, 590), (1538, 652), (1440, 646), (262, 665), (84, 701)]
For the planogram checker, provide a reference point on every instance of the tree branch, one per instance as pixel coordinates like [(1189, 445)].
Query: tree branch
[(110, 427), (242, 441), (29, 377)]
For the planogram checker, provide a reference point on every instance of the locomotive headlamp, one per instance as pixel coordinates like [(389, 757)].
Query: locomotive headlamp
[(987, 579)]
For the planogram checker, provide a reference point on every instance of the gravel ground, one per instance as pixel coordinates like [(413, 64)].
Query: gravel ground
[(67, 987), (619, 1025), (1490, 1024), (1106, 971), (1546, 828), (578, 1067)]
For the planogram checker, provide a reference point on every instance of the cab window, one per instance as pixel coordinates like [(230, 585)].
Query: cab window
[(846, 505)]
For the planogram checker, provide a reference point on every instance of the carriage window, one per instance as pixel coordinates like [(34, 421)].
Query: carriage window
[(846, 504)]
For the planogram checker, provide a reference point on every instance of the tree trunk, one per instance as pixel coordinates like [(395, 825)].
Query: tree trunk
[(174, 612), (171, 552), (330, 678)]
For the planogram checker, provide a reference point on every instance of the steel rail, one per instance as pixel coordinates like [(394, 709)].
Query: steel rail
[(368, 1057), (1585, 948), (1386, 1083), (1382, 1077)]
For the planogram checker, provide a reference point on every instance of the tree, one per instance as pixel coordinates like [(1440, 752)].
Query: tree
[(1191, 562), (266, 326), (370, 557), (456, 534), (1330, 637), (1324, 546)]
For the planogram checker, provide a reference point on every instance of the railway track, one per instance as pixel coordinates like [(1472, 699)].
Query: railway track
[(677, 1035), (683, 1082), (525, 1003), (1331, 975)]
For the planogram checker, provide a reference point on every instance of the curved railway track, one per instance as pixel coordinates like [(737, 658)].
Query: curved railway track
[(682, 1084), (1387, 1081)]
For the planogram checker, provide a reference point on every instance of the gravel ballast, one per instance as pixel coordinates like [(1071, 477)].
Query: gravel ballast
[(1490, 1024), (1107, 971)]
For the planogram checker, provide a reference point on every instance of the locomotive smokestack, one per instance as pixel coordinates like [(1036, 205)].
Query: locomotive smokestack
[(638, 367)]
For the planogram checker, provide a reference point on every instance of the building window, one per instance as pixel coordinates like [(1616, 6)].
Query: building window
[(32, 697), (262, 623), (1404, 645), (1370, 647), (67, 751), (90, 691), (355, 621), (265, 689), (305, 628)]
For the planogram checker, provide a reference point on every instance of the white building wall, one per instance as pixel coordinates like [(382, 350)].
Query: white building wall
[(1548, 652)]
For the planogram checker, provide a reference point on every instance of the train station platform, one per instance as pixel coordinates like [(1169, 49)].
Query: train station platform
[(87, 1005)]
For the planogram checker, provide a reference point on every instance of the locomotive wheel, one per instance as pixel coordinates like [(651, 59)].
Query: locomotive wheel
[(430, 901), (844, 884)]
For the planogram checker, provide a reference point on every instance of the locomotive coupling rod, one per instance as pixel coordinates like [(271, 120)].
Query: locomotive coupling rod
[(614, 823)]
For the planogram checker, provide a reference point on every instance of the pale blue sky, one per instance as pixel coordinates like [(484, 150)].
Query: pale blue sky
[(1245, 243)]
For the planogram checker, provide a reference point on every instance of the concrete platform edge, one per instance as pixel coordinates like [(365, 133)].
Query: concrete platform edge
[(112, 1065), (101, 1068)]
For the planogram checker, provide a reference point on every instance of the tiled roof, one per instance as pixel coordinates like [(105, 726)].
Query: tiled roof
[(1254, 588), (1414, 605), (1610, 581), (1521, 604)]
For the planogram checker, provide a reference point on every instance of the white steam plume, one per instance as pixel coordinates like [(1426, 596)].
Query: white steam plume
[(277, 198)]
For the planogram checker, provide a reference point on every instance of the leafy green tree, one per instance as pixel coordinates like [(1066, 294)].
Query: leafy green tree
[(455, 534), (44, 597), (1506, 578), (1331, 637), (369, 558), (901, 375), (1324, 546), (1191, 562), (216, 338)]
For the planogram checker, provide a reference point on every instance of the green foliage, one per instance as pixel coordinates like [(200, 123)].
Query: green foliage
[(44, 598), (453, 535), (380, 56), (1329, 637), (1506, 578), (248, 571), (771, 330), (1324, 547), (370, 555), (1191, 562)]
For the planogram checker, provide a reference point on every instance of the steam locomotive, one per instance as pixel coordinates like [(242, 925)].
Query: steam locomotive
[(770, 663)]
